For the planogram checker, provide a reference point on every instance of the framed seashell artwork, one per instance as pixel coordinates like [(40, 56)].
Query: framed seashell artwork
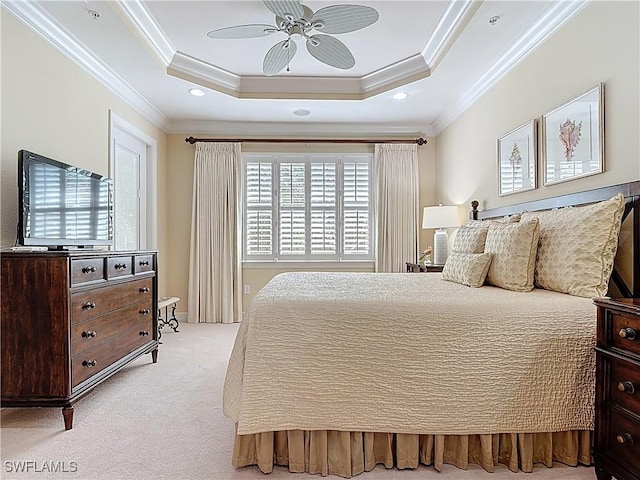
[(517, 164), (573, 138)]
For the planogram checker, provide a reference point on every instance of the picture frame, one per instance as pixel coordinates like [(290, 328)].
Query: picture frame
[(517, 159), (573, 138)]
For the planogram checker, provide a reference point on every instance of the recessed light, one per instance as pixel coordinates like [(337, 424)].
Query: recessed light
[(301, 112), (196, 92), (400, 95)]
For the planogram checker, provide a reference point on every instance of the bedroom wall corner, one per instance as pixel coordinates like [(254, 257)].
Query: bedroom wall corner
[(600, 44)]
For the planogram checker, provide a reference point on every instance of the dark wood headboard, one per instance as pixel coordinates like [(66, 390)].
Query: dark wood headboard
[(631, 192)]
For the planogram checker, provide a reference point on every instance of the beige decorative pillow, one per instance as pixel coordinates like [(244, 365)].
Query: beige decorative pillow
[(467, 268), (513, 246), (470, 239), (577, 247)]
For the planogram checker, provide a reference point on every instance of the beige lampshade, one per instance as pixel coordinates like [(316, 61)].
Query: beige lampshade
[(440, 217)]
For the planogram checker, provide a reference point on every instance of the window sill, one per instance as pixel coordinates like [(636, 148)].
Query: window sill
[(307, 264)]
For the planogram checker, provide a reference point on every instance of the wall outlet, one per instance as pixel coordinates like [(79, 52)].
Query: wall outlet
[(247, 289)]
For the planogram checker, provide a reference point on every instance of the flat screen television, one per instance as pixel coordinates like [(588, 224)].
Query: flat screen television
[(62, 206)]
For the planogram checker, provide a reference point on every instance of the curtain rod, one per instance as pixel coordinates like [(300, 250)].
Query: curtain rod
[(192, 140)]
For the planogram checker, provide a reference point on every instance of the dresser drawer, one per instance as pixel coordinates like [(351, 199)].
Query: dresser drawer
[(96, 359), (98, 301), (623, 439), (119, 266), (85, 270), (86, 335), (629, 326), (624, 387), (143, 263)]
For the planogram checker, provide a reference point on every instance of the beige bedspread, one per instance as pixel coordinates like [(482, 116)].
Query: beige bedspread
[(410, 353)]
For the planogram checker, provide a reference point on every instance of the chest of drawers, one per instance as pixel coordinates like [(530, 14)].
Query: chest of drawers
[(70, 320), (617, 431)]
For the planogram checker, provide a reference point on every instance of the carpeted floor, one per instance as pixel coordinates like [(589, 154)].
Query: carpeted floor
[(165, 421)]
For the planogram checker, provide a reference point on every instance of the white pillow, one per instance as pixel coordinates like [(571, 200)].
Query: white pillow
[(577, 247), (470, 239), (467, 268), (513, 246)]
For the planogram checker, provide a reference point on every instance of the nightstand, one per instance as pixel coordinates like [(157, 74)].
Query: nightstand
[(616, 448), (417, 268)]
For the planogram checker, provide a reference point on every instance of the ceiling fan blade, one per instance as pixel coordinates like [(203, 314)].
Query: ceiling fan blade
[(278, 57), (331, 51), (344, 18), (243, 31), (288, 9)]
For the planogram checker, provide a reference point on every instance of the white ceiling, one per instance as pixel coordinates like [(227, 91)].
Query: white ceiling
[(444, 54)]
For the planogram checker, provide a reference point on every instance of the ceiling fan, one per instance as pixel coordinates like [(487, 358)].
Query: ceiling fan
[(298, 21)]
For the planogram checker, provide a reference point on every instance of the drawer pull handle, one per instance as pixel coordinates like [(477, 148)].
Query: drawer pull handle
[(89, 305), (89, 269), (89, 334), (144, 311), (144, 290), (144, 263), (89, 363), (144, 333), (625, 439), (628, 333), (120, 266), (626, 387)]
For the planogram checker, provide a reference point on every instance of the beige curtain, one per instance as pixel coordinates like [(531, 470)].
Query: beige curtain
[(215, 294), (397, 206)]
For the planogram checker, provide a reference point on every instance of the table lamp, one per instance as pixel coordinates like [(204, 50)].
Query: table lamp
[(440, 217)]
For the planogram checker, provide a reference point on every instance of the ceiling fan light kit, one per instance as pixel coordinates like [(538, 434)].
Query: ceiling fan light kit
[(298, 21)]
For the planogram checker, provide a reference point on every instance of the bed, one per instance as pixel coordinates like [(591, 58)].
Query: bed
[(334, 373)]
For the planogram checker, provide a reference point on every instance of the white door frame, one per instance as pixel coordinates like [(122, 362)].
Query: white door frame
[(151, 221)]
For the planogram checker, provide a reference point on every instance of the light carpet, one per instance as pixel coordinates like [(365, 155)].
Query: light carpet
[(165, 421)]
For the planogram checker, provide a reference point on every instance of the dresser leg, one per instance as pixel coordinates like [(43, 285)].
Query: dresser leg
[(602, 474), (67, 413), (154, 355)]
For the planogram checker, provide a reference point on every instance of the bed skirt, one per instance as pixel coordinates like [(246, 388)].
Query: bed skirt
[(330, 452)]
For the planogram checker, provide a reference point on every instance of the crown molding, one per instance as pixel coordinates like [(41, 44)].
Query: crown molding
[(412, 68), (449, 26), (557, 15), (144, 23), (293, 129), (39, 21), (197, 71)]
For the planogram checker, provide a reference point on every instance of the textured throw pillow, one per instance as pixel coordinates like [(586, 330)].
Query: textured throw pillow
[(470, 239), (577, 247), (513, 247), (467, 268)]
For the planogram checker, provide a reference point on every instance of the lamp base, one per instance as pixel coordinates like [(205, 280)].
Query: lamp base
[(440, 248)]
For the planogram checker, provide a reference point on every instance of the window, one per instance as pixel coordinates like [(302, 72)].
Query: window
[(314, 207)]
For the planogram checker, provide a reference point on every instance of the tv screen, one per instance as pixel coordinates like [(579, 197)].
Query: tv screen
[(61, 205)]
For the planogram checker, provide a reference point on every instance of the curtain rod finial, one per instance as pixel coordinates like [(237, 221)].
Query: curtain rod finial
[(190, 140), (421, 141)]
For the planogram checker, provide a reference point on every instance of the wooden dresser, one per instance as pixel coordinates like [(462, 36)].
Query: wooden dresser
[(70, 320), (617, 432)]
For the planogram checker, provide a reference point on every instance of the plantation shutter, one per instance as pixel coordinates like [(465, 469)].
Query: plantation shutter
[(323, 224), (357, 210), (292, 208), (259, 209)]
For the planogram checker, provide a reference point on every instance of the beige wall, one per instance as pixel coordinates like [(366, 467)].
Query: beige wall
[(62, 112), (600, 44), (180, 171)]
